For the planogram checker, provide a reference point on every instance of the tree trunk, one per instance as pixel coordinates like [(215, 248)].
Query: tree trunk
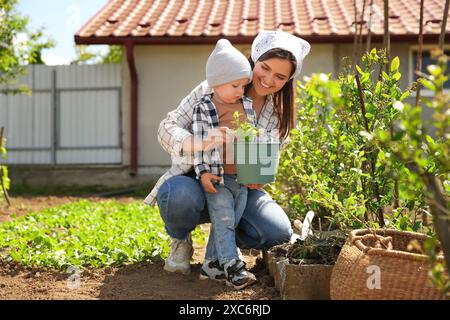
[(371, 159), (419, 53), (441, 216), (438, 206), (361, 24), (369, 27), (386, 37), (355, 39), (444, 25)]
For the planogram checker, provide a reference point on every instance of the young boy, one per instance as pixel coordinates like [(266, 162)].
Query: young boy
[(227, 72)]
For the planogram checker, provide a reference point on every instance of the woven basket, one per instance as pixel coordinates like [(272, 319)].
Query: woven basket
[(403, 275)]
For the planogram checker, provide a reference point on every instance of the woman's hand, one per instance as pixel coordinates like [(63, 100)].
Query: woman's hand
[(208, 179), (217, 137), (255, 186)]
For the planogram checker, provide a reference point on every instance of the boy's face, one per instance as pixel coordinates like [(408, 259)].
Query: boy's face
[(232, 91)]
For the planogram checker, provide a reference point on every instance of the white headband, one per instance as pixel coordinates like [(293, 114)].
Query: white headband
[(267, 40)]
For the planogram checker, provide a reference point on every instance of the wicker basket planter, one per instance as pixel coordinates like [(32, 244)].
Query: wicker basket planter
[(402, 274)]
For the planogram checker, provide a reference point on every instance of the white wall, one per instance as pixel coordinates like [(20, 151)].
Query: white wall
[(166, 74)]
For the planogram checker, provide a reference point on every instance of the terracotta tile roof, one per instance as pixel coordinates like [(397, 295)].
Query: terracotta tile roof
[(197, 21)]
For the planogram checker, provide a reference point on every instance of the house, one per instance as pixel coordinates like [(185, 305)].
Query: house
[(167, 43)]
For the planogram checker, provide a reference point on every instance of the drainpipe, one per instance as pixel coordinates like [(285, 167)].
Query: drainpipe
[(129, 46)]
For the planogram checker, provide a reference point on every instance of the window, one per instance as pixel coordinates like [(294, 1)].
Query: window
[(426, 61)]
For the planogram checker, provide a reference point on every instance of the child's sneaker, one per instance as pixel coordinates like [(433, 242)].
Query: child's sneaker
[(212, 270), (236, 274)]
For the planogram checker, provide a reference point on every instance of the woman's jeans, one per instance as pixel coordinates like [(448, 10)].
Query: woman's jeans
[(182, 205), (225, 208)]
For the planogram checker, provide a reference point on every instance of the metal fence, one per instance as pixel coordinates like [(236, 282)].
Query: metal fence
[(72, 116)]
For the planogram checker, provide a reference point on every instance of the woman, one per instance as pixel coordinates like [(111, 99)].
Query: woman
[(276, 58)]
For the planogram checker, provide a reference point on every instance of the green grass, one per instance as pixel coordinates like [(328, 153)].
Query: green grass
[(87, 233)]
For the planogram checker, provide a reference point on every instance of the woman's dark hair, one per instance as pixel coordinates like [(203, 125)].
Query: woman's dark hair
[(283, 99)]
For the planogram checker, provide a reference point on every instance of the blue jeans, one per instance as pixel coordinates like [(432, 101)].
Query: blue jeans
[(225, 211), (182, 205)]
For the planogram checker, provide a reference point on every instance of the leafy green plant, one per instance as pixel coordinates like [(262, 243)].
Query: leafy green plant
[(319, 247), (114, 55), (425, 155), (85, 233), (244, 130), (438, 276), (85, 55), (328, 165), (14, 55)]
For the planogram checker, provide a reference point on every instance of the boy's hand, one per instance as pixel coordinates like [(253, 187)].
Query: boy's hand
[(207, 179)]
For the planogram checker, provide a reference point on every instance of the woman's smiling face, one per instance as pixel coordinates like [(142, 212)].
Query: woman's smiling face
[(271, 75)]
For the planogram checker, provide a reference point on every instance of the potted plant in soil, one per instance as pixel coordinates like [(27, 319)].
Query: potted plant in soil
[(302, 268), (256, 155)]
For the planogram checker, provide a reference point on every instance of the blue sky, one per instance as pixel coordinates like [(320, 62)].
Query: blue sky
[(61, 19)]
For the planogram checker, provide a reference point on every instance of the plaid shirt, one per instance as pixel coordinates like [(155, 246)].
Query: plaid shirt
[(177, 127), (206, 117)]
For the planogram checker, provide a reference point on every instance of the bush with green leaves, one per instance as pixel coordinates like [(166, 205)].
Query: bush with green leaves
[(359, 154), (426, 156), (13, 54), (329, 167)]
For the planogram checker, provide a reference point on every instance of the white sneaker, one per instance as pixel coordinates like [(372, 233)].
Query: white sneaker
[(180, 255)]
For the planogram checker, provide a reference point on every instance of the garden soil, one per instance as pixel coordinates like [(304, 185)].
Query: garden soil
[(139, 281)]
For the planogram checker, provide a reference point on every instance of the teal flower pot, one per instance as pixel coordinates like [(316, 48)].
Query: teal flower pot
[(256, 162)]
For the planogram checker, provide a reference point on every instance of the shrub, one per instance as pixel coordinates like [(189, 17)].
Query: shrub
[(329, 167)]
